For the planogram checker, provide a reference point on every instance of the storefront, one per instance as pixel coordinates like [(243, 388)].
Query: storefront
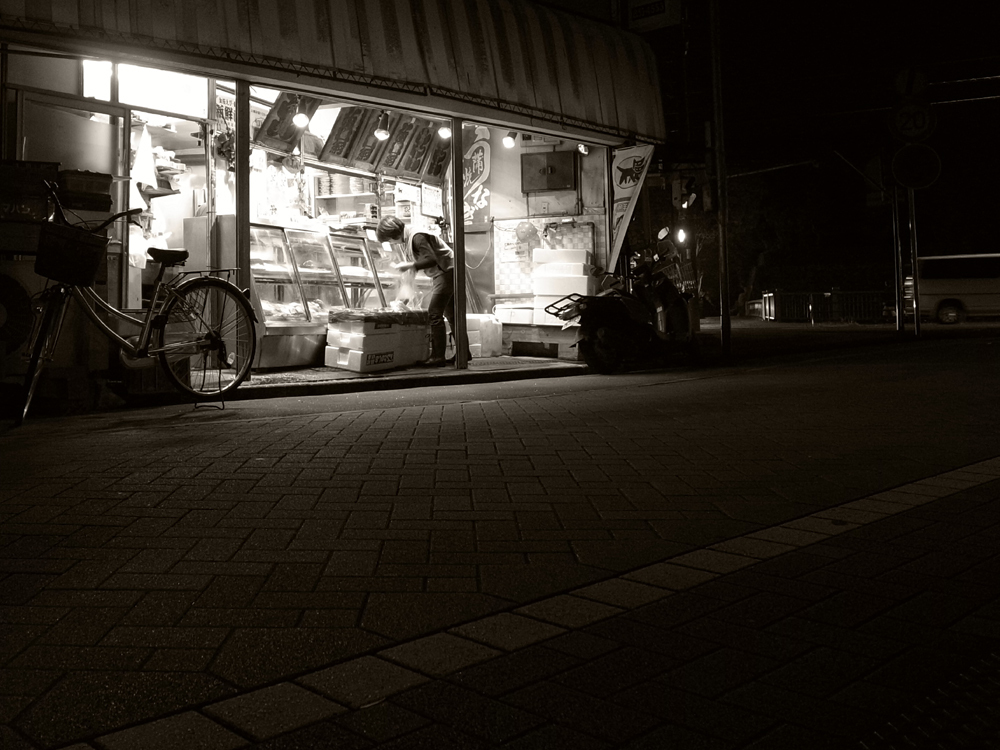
[(272, 139)]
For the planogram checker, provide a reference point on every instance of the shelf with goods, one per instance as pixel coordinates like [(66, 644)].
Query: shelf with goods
[(345, 196)]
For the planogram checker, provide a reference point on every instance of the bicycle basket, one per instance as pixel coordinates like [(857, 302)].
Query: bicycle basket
[(69, 254)]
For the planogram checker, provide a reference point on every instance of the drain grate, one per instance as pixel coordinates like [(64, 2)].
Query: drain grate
[(965, 713)]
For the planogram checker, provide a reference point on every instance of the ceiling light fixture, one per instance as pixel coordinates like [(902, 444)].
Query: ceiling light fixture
[(508, 140), (583, 148), (444, 131), (300, 119), (382, 131)]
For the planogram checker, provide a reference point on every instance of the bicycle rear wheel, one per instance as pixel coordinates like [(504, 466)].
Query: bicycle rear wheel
[(207, 341), (44, 344)]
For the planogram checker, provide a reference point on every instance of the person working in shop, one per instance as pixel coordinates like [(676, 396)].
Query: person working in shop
[(436, 259)]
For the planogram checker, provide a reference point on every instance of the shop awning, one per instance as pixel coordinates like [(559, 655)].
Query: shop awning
[(504, 55)]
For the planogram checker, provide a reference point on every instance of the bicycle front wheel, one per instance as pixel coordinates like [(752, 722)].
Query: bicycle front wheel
[(207, 342)]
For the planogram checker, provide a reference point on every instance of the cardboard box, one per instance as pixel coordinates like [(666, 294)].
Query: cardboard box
[(562, 285), (550, 255)]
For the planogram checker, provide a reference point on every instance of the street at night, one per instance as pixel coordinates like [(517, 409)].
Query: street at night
[(789, 552)]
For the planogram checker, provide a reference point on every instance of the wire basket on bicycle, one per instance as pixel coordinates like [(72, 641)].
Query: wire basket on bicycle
[(70, 254)]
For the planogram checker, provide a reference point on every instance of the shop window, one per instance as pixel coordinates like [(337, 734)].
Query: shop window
[(44, 70), (163, 90), (97, 79), (169, 179)]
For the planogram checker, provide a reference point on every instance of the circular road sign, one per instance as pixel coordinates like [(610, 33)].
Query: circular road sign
[(913, 121), (916, 166)]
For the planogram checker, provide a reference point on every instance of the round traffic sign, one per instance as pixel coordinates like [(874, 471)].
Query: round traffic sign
[(916, 166), (913, 121)]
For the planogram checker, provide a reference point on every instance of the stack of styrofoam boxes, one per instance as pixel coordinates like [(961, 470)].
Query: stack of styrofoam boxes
[(373, 343), (558, 272), (485, 335), (514, 313)]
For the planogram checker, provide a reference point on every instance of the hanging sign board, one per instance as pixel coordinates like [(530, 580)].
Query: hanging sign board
[(476, 180), (628, 170), (430, 201)]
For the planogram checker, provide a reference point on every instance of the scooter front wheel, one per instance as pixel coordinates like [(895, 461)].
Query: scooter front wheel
[(601, 352)]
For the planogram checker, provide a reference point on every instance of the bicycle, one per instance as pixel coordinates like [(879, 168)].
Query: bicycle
[(200, 326)]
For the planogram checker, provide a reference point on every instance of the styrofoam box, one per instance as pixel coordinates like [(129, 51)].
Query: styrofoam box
[(358, 361), (517, 314), (541, 318), (561, 269), (562, 285), (477, 351), (490, 331), (551, 255)]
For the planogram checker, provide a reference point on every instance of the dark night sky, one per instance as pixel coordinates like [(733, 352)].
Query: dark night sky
[(804, 80)]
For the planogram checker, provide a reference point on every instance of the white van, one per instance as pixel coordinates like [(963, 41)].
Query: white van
[(953, 287)]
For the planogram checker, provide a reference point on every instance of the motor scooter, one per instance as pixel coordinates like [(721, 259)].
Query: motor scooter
[(620, 327)]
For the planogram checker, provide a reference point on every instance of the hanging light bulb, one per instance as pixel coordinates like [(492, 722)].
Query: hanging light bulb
[(583, 148), (382, 131), (508, 140), (445, 132), (300, 119)]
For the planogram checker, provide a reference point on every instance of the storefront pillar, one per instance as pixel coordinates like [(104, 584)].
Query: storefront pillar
[(243, 147), (458, 238)]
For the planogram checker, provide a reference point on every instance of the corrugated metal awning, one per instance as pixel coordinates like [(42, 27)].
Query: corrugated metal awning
[(504, 55)]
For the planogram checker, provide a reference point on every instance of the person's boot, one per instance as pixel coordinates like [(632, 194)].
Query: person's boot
[(437, 348)]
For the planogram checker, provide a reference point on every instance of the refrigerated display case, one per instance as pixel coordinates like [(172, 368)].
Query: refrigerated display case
[(290, 336), (300, 276), (361, 280)]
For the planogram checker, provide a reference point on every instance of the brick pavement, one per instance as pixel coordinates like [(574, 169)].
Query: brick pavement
[(272, 584)]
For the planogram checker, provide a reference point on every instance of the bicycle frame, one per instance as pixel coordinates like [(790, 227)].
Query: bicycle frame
[(91, 302)]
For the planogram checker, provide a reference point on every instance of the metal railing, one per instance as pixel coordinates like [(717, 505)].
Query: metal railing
[(823, 307)]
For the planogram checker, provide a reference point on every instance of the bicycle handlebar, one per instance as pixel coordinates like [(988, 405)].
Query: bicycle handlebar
[(61, 216)]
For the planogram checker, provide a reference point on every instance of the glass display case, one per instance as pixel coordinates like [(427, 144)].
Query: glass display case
[(364, 289), (274, 278), (319, 277)]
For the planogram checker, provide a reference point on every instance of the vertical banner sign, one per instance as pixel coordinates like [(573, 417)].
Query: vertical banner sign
[(628, 170), (476, 180)]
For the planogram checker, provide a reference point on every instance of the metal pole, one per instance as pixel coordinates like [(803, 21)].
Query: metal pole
[(720, 178), (897, 262), (458, 239), (243, 147), (914, 266)]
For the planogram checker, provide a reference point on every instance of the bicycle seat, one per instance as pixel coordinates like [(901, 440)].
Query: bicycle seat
[(167, 257)]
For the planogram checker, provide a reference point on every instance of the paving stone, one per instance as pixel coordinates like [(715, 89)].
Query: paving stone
[(554, 737), (515, 670), (467, 711), (507, 631), (713, 561), (619, 592), (724, 721), (362, 681), (750, 547), (272, 710), (383, 721), (718, 672), (785, 535), (616, 671), (821, 525), (88, 703), (253, 656), (188, 730), (439, 654), (569, 611), (600, 718)]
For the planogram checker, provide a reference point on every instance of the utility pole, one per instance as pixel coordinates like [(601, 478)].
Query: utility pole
[(720, 179)]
